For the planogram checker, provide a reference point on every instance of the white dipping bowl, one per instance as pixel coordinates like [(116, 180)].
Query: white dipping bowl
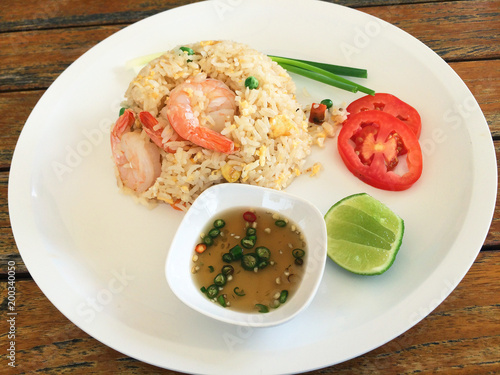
[(226, 196)]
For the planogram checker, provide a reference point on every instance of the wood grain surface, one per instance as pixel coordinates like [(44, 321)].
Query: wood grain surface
[(39, 39)]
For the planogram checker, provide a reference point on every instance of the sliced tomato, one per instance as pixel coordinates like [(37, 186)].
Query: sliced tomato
[(390, 104), (371, 142)]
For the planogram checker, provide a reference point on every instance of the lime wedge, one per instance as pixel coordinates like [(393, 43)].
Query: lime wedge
[(364, 235)]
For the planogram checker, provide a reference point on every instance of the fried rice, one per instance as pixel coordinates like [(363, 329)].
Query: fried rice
[(270, 130)]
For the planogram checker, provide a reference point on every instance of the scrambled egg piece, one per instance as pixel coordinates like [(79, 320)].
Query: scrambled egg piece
[(281, 125), (262, 155), (314, 169)]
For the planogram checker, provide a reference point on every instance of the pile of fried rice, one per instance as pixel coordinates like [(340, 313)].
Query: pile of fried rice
[(270, 129)]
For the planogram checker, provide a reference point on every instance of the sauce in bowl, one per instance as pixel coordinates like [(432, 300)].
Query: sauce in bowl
[(250, 260)]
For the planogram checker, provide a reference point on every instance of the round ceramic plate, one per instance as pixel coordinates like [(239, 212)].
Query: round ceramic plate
[(99, 257)]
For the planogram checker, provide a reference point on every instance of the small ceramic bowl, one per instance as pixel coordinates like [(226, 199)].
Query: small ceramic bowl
[(226, 196)]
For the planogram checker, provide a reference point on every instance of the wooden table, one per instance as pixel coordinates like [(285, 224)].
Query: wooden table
[(39, 39)]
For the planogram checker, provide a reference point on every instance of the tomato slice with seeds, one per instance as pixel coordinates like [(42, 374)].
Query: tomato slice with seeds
[(371, 143), (390, 104)]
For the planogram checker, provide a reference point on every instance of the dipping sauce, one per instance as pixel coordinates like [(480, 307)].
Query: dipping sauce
[(250, 260)]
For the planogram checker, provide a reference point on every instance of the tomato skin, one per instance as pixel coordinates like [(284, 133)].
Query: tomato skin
[(390, 104), (377, 173)]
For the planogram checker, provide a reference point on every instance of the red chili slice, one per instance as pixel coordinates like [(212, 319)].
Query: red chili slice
[(200, 248), (249, 216), (370, 144), (390, 104)]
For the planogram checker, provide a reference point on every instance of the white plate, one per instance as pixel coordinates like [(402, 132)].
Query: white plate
[(99, 257)]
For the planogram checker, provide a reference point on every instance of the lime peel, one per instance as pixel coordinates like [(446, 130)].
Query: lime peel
[(364, 235)]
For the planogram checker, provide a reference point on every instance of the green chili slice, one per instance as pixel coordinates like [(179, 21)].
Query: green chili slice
[(262, 308), (211, 269), (248, 242), (219, 223), (220, 279), (263, 253), (207, 240), (298, 253), (280, 223), (283, 296), (239, 292), (222, 300), (214, 232), (251, 231), (212, 291), (236, 252), (249, 261), (227, 270), (228, 258), (262, 264)]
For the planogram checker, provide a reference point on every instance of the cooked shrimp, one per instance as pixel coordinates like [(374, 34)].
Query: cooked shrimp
[(135, 157), (190, 125), (159, 131)]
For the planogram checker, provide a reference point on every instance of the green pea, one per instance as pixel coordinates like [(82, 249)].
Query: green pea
[(251, 82), (327, 102)]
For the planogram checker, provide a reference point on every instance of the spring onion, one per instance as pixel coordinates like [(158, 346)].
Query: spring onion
[(335, 69), (317, 72)]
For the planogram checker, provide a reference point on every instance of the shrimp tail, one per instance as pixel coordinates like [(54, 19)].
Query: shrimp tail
[(211, 140), (122, 126), (149, 122)]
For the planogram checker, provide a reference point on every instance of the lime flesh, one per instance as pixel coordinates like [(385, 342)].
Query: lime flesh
[(364, 235)]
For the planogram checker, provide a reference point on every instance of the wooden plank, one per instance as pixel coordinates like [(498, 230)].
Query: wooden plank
[(71, 13), (33, 60), (462, 336), (483, 80), (15, 108), (459, 30)]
